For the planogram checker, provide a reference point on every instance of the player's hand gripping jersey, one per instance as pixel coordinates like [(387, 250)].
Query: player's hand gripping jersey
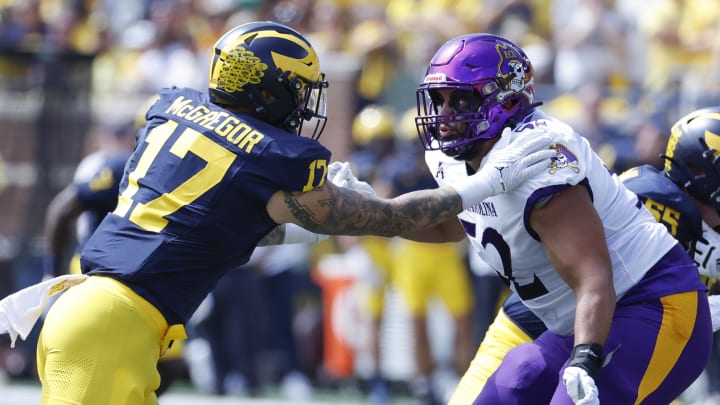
[(233, 163), (500, 232)]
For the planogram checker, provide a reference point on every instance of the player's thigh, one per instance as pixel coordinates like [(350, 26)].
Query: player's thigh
[(502, 336), (453, 284), (658, 349), (100, 345), (74, 265), (413, 282), (528, 373), (373, 301), (522, 317), (425, 271)]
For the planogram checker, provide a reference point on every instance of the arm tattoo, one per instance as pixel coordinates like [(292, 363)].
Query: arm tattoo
[(348, 212), (274, 237)]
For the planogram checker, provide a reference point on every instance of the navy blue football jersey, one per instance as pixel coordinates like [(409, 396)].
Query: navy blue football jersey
[(96, 182), (669, 204), (192, 199)]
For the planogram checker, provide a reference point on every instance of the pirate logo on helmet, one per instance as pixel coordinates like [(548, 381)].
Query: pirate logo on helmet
[(512, 73)]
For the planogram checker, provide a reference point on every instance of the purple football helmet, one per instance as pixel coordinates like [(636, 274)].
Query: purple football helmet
[(493, 72)]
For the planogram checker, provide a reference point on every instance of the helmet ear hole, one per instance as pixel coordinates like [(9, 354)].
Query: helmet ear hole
[(489, 88)]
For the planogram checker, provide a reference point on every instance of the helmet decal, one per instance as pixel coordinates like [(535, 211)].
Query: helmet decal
[(435, 78), (511, 72), (247, 68), (675, 135)]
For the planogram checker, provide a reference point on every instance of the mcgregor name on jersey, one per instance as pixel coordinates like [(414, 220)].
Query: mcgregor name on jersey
[(222, 123)]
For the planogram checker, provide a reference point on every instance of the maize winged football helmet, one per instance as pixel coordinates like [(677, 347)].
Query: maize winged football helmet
[(271, 70), (692, 156)]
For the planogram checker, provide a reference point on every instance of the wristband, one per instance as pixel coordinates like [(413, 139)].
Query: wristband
[(298, 234), (588, 357), (472, 191), (714, 302)]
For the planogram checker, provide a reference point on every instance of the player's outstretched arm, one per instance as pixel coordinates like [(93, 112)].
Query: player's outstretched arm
[(342, 211)]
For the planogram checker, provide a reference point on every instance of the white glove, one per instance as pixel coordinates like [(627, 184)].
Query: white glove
[(339, 174), (707, 252), (580, 386), (297, 234), (335, 171), (508, 164), (714, 301)]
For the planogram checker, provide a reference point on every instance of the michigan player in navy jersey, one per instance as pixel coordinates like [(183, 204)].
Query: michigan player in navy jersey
[(84, 203), (214, 174), (681, 197), (627, 317), (87, 199)]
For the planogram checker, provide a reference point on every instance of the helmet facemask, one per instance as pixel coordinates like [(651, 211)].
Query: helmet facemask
[(312, 107), (482, 119), (300, 100)]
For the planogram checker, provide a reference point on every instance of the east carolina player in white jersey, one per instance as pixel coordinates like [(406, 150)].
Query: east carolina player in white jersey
[(498, 226), (682, 197), (628, 320)]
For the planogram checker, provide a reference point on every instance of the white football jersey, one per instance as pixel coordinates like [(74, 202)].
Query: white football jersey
[(500, 232)]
